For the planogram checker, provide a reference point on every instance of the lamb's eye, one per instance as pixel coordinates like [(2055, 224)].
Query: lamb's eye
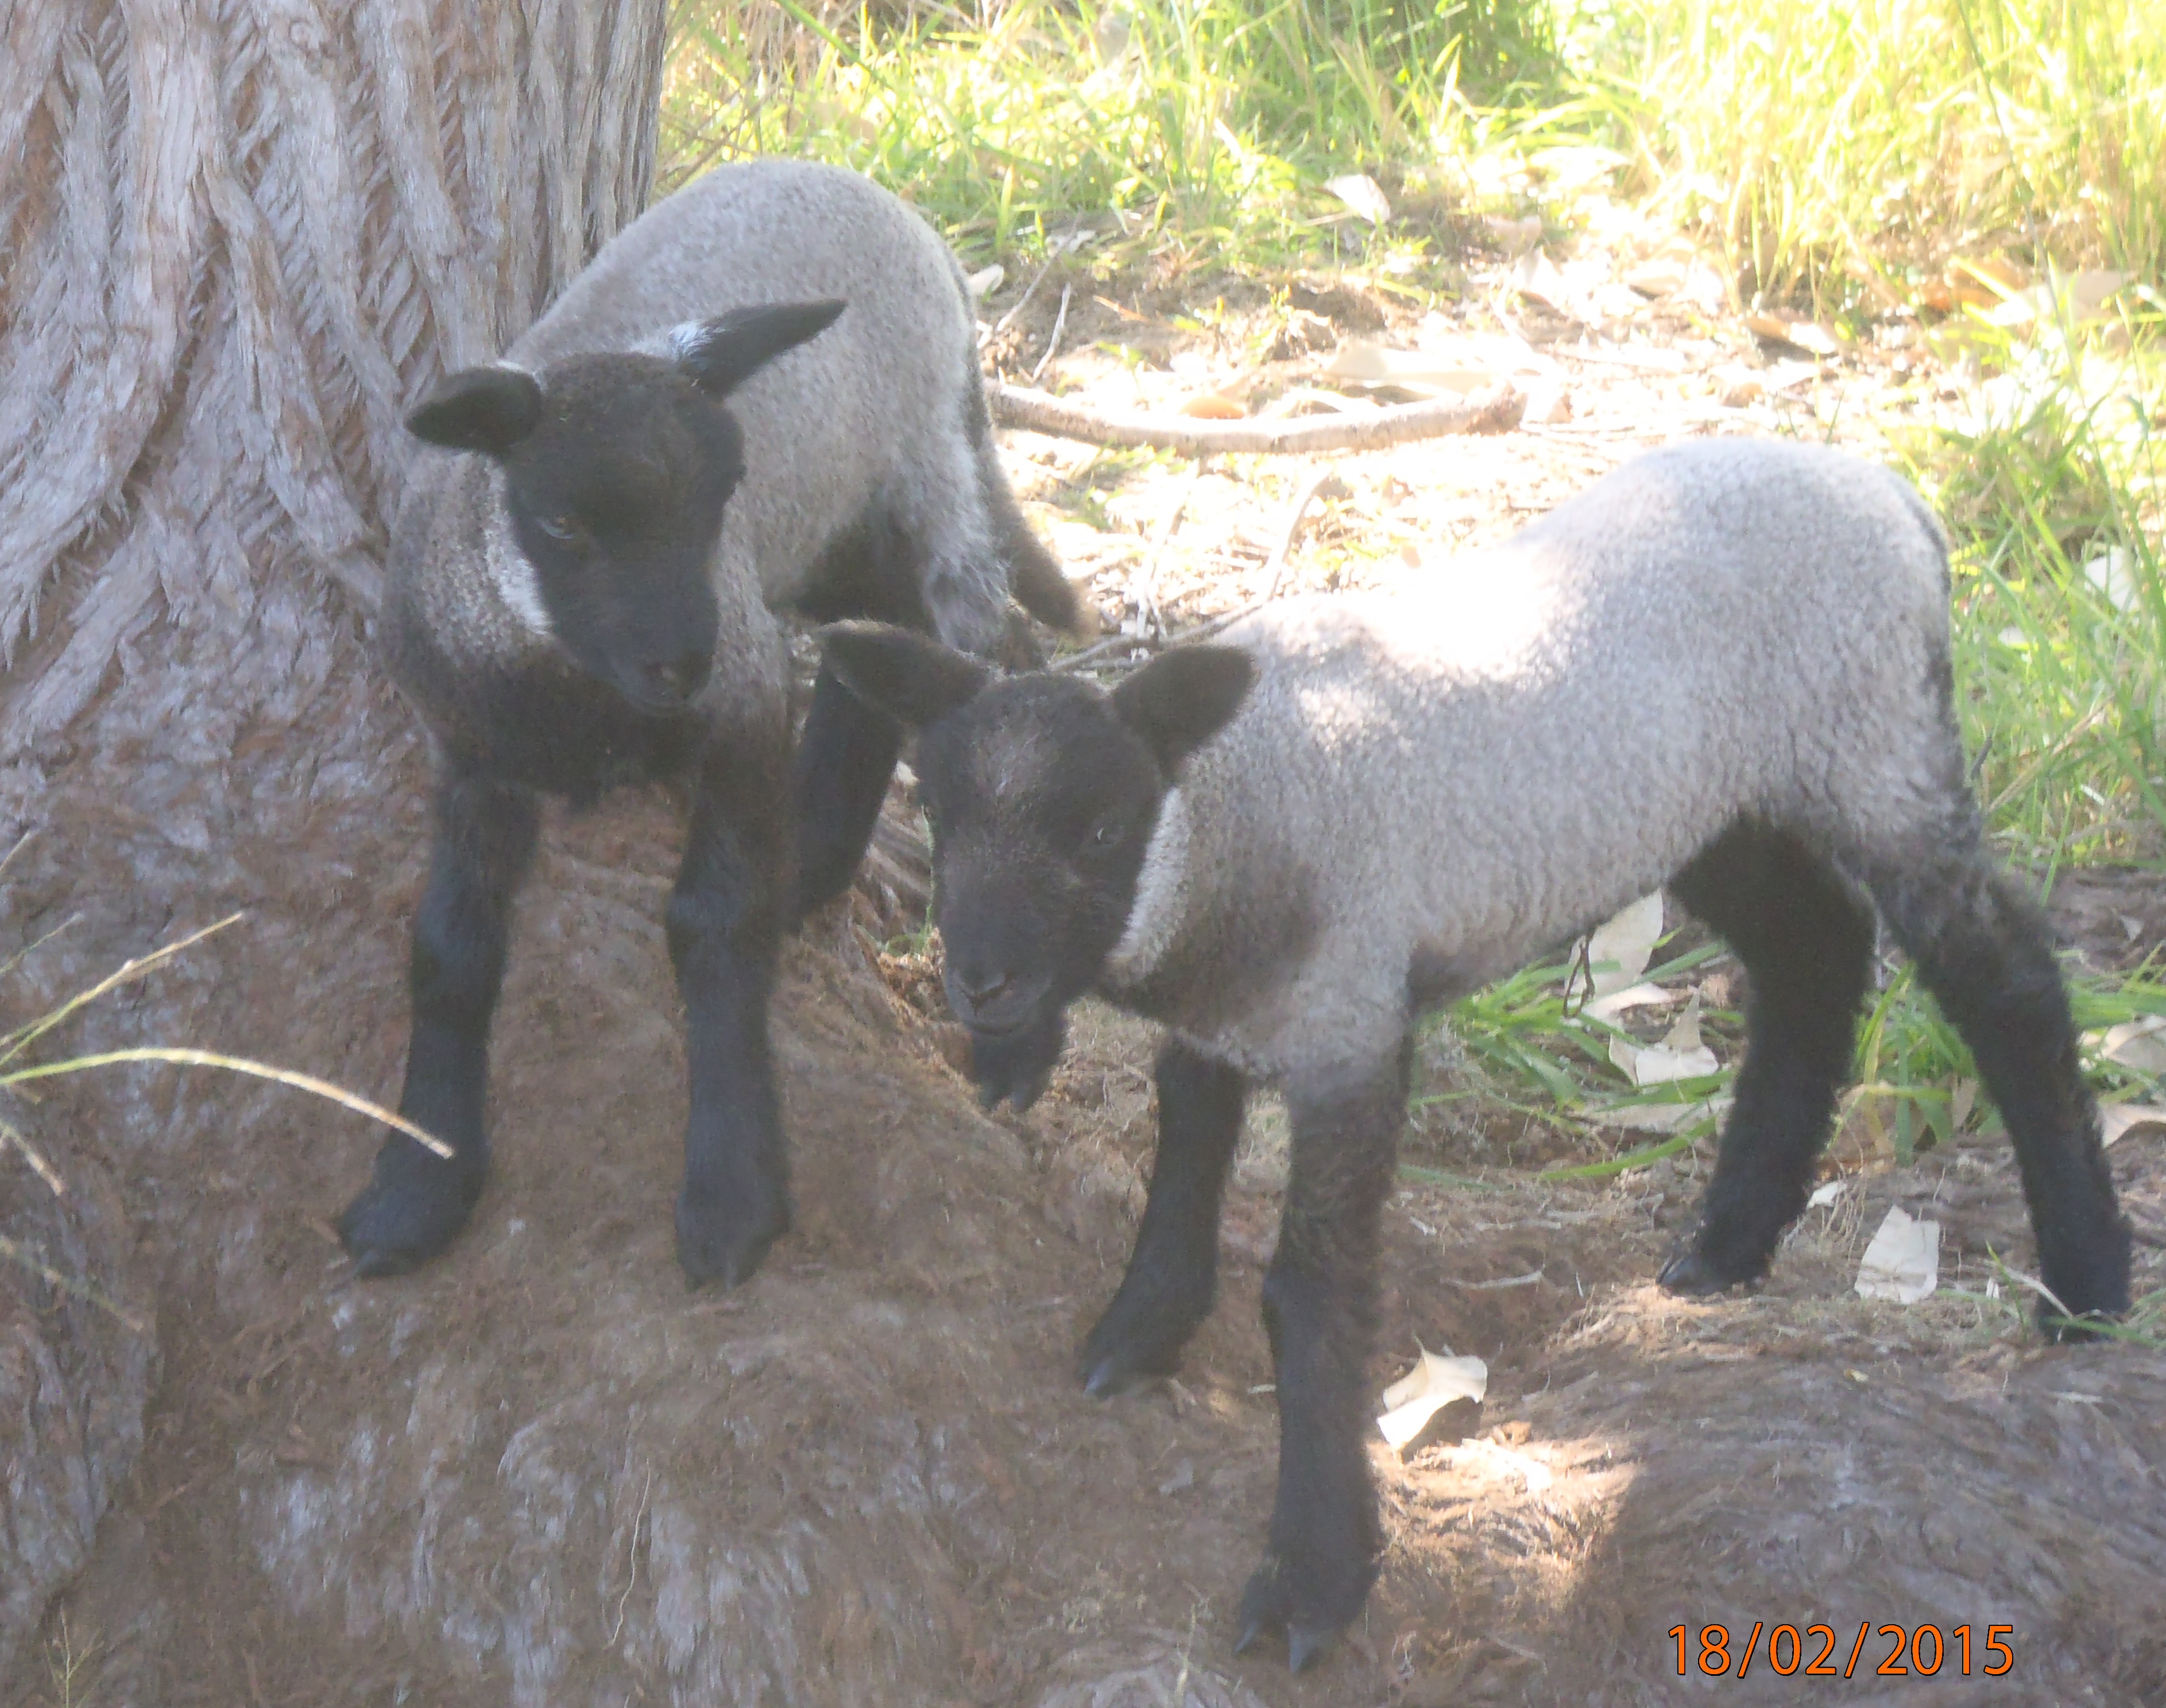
[(566, 531)]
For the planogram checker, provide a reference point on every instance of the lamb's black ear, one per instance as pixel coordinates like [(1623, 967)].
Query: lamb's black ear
[(914, 679), (1181, 698), (479, 409), (721, 354)]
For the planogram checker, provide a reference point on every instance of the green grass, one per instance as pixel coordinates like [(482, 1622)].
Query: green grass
[(2053, 481), (1842, 150), (1181, 129), (1839, 151), (1914, 1084)]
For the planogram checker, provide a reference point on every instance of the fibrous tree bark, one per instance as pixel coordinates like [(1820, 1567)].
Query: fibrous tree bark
[(237, 237)]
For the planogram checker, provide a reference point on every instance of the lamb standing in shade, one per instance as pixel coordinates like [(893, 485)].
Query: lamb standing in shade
[(586, 599), (1725, 666)]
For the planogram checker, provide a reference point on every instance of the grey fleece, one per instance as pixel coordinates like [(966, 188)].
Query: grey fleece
[(880, 415), (1437, 788)]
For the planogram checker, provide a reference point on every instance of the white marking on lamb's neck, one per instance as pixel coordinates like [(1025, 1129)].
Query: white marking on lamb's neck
[(515, 580), (1161, 892)]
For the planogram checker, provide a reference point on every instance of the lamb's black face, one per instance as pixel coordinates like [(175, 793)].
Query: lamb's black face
[(1042, 791), (615, 479), (1041, 802), (616, 499)]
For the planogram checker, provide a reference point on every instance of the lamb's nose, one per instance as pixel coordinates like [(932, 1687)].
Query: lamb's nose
[(981, 987)]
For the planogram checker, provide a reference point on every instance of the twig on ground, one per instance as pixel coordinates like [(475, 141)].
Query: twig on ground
[(1021, 303), (1496, 410), (1276, 564), (1144, 581), (1053, 343)]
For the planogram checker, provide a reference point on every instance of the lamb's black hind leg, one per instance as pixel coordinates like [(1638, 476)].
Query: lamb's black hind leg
[(1983, 950), (1806, 939), (844, 759)]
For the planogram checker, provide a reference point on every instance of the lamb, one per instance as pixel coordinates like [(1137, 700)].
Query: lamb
[(1724, 666), (587, 596)]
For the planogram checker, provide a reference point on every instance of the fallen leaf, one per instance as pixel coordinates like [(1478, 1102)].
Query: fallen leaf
[(1657, 1064), (1547, 403), (1536, 276), (2117, 1121), (986, 279), (1684, 1035), (1431, 1385), (1514, 234), (1619, 949), (2113, 572), (2082, 296), (1963, 1098), (1680, 275), (1681, 1055), (2136, 1044), (1608, 1008), (1575, 166), (1211, 406), (1659, 1117), (1903, 1262), (1805, 334), (1825, 1195), (1362, 193)]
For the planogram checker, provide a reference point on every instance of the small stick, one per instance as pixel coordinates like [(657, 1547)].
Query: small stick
[(1496, 410), (1021, 302), (1276, 564), (1053, 343), (1145, 583)]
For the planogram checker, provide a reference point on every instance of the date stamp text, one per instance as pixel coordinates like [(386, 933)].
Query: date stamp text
[(1818, 1651)]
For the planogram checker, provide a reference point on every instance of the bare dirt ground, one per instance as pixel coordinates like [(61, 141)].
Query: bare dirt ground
[(541, 1473)]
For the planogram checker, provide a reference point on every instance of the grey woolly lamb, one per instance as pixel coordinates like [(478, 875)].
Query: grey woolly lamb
[(588, 597), (1725, 666)]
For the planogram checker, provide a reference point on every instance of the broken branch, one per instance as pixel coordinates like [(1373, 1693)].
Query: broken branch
[(1496, 410)]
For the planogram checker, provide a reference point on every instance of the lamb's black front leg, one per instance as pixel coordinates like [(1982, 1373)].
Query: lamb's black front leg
[(725, 927), (845, 760), (1174, 1272), (417, 1202), (1320, 1309)]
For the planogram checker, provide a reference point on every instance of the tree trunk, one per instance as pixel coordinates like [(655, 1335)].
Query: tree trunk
[(237, 239), (240, 238)]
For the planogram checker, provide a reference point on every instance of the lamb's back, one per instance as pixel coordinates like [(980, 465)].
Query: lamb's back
[(1468, 773)]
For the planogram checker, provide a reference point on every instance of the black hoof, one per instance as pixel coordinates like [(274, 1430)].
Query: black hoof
[(415, 1207), (1017, 1066), (1134, 1342), (814, 890), (1311, 1613), (720, 1240), (2090, 1285), (1692, 1276)]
